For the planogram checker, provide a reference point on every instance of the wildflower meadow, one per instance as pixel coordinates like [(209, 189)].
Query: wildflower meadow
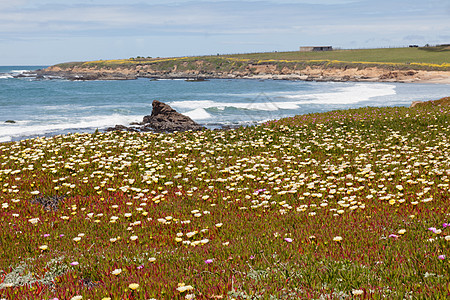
[(340, 205)]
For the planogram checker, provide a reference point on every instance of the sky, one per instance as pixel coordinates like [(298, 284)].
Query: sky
[(46, 32)]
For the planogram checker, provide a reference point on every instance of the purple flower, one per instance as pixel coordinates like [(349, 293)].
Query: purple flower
[(393, 236), (446, 225), (46, 235), (74, 263), (208, 261), (252, 257), (289, 240), (433, 229), (61, 235), (441, 257), (140, 267)]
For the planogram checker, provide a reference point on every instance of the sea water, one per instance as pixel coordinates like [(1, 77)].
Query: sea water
[(43, 107)]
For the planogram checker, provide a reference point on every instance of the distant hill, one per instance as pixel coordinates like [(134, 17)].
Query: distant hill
[(390, 64), (423, 55)]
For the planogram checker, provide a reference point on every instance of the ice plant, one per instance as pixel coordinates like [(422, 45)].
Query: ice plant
[(304, 179), (116, 272), (183, 288), (337, 238)]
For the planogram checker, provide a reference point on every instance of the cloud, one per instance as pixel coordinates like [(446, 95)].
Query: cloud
[(414, 37), (218, 17), (218, 26), (8, 4)]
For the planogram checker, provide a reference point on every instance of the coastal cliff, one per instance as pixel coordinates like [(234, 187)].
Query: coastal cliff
[(229, 68)]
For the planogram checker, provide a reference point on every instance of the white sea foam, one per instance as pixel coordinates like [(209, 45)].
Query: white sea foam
[(198, 114), (4, 139), (169, 79), (19, 71), (351, 94), (259, 105), (347, 95), (38, 128), (5, 76)]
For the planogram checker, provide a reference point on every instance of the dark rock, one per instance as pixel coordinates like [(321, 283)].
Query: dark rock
[(165, 119), (346, 78), (95, 76), (10, 121), (89, 283), (49, 203), (121, 128)]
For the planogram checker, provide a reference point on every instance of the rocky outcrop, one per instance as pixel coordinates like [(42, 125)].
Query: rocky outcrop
[(206, 70), (415, 103), (87, 73), (165, 119), (440, 102)]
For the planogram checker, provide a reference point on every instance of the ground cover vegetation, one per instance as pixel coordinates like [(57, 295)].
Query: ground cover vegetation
[(426, 55), (344, 204), (429, 58)]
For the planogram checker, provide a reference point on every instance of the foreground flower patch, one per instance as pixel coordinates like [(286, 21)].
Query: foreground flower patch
[(335, 205)]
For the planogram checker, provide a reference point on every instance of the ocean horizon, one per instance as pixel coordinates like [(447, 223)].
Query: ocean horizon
[(44, 107)]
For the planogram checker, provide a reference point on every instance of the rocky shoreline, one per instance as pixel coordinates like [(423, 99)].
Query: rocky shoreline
[(261, 72), (162, 119)]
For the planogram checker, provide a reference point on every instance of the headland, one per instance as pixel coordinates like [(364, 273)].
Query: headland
[(428, 64)]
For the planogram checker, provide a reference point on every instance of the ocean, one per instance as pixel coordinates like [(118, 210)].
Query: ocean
[(44, 107)]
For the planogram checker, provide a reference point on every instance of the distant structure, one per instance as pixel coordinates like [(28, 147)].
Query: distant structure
[(316, 48)]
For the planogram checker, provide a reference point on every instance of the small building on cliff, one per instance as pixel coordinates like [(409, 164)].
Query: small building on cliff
[(316, 48)]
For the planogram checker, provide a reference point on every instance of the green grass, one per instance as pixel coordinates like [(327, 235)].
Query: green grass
[(430, 55), (430, 58), (251, 213)]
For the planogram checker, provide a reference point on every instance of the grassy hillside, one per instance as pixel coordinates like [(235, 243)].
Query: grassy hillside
[(432, 58), (429, 55), (344, 204)]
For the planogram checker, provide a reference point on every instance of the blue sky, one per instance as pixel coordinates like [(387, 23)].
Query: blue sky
[(46, 32)]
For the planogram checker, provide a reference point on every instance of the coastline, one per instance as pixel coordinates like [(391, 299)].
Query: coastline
[(259, 72), (262, 88)]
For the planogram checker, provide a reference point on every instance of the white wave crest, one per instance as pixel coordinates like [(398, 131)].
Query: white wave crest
[(4, 139), (260, 105), (198, 114), (19, 71), (347, 95), (33, 129)]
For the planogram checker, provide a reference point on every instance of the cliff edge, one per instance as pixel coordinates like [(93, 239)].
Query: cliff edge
[(228, 68)]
